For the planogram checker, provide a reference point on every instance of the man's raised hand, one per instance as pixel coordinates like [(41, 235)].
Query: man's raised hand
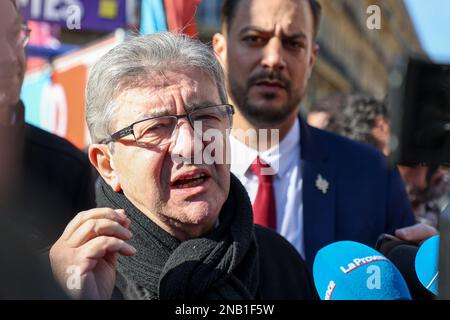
[(84, 258)]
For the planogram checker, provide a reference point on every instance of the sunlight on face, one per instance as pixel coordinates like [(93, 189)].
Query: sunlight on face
[(184, 199)]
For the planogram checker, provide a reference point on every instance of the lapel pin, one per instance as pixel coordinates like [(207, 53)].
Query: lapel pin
[(322, 184)]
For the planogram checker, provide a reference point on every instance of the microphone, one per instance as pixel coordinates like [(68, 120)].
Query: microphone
[(444, 255), (403, 255), (348, 270), (426, 264)]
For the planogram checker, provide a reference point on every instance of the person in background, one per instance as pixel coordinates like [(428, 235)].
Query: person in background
[(428, 190), (356, 116), (365, 119), (322, 187), (323, 115), (44, 179)]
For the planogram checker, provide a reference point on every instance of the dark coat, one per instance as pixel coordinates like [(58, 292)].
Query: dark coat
[(283, 273), (56, 183)]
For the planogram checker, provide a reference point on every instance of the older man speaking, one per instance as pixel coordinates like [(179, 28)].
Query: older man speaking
[(173, 227)]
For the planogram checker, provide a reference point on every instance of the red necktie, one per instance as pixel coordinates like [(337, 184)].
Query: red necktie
[(264, 209)]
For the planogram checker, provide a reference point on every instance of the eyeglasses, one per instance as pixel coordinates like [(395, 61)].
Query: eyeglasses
[(24, 36), (158, 131)]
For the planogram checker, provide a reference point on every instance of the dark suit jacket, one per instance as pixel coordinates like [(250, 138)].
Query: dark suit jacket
[(364, 199)]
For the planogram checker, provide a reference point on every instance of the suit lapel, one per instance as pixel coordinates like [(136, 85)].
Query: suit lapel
[(318, 192)]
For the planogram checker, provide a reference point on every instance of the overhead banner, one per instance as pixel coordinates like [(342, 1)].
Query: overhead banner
[(101, 15)]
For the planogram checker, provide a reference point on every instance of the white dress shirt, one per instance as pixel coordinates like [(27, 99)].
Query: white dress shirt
[(287, 182)]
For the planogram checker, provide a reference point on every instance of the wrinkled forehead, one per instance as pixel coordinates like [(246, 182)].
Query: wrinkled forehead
[(292, 16), (169, 82), (168, 92), (189, 84)]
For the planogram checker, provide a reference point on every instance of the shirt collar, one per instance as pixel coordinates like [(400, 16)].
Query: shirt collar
[(278, 157), (242, 156)]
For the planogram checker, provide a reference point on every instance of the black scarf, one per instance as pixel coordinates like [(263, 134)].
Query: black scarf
[(222, 264)]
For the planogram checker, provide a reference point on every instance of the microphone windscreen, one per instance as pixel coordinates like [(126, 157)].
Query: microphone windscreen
[(348, 270), (403, 257), (426, 264)]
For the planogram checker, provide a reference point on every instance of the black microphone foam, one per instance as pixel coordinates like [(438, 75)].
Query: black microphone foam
[(402, 254)]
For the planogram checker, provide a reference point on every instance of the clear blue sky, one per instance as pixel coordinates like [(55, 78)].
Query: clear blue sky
[(432, 21)]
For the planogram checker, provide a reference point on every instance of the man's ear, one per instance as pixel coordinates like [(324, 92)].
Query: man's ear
[(219, 44), (312, 58), (101, 158)]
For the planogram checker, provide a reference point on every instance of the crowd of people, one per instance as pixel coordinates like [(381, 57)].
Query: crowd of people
[(160, 224)]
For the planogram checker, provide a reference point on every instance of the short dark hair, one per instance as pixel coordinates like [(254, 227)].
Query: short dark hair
[(229, 8)]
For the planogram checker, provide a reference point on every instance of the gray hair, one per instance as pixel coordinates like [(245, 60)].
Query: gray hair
[(131, 63)]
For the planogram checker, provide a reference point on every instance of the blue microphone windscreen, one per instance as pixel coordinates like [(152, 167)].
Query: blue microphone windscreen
[(348, 270), (426, 263)]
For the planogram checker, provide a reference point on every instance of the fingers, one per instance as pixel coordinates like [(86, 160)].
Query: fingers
[(117, 215), (127, 223), (98, 247), (97, 227), (92, 241), (418, 232)]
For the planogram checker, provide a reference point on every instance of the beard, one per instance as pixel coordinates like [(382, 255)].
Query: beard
[(264, 116)]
